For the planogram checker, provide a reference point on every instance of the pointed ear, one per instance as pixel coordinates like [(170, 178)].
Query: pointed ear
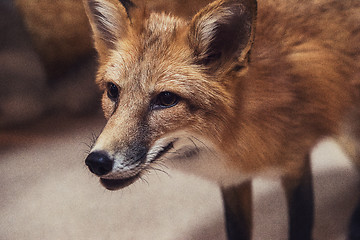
[(109, 20), (223, 32)]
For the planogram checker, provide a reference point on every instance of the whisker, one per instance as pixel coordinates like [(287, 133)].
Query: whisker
[(161, 164), (196, 147), (93, 140), (144, 180), (159, 170), (210, 150), (86, 144)]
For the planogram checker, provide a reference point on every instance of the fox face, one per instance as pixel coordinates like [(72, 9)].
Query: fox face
[(164, 97), (209, 97)]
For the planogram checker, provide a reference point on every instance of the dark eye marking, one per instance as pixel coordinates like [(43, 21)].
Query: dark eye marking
[(112, 91), (165, 100)]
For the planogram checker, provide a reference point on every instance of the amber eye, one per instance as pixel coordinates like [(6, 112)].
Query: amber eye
[(112, 91), (166, 100)]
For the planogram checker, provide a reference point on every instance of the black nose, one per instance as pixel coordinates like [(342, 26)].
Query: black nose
[(99, 163)]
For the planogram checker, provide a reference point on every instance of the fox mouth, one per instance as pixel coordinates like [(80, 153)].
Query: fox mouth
[(163, 151), (115, 184)]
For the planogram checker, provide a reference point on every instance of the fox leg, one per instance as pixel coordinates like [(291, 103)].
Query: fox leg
[(238, 211), (354, 231), (354, 228), (300, 200)]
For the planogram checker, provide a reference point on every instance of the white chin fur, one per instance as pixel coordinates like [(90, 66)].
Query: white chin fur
[(121, 170)]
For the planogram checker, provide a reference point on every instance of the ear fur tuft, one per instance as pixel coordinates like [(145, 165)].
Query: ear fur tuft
[(222, 31), (109, 21)]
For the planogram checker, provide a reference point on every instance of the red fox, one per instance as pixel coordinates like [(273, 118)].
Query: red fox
[(244, 88)]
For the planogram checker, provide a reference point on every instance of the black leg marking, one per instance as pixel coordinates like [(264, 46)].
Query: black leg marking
[(300, 200), (238, 211), (354, 231)]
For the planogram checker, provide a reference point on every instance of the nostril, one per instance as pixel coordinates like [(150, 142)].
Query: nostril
[(99, 163)]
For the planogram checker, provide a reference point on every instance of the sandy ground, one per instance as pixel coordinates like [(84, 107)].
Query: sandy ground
[(47, 193)]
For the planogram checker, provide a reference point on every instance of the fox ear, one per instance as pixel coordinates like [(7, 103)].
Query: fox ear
[(109, 20), (223, 32)]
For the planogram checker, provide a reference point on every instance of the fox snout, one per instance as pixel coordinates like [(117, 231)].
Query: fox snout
[(102, 165), (119, 167)]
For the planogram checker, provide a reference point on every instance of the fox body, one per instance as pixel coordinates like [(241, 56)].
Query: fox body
[(242, 89)]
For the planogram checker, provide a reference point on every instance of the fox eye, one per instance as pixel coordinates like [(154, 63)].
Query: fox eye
[(166, 100), (112, 91)]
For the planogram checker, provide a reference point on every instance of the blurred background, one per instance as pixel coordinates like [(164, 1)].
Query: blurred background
[(47, 61), (50, 114)]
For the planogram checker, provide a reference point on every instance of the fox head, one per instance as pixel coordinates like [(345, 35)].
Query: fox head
[(167, 87)]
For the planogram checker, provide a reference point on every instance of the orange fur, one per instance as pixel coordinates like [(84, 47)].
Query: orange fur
[(302, 79)]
